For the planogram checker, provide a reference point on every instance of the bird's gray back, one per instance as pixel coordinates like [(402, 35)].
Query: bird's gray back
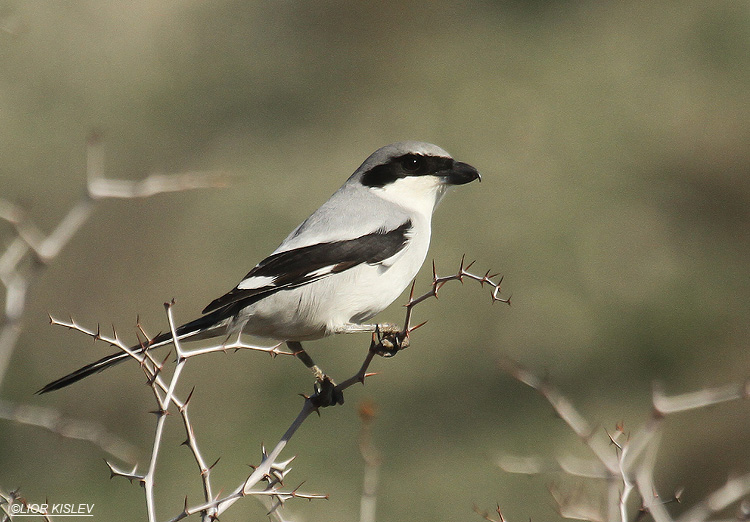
[(352, 211)]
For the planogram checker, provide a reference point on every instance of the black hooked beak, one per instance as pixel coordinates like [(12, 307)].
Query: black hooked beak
[(461, 173)]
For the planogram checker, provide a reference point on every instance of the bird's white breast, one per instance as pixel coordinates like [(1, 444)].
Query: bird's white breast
[(316, 309)]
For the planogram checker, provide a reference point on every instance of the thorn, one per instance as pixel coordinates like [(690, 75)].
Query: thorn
[(461, 266), (420, 325), (111, 470), (285, 463), (164, 361), (411, 292), (434, 271), (612, 440), (470, 265), (187, 401), (150, 379), (140, 342), (214, 464)]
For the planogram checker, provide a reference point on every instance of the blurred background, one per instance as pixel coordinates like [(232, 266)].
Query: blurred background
[(613, 142)]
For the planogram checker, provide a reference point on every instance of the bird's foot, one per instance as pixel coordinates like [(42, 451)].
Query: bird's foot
[(326, 394), (389, 340)]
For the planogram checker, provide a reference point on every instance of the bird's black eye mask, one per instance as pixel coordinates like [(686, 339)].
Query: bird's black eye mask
[(406, 165)]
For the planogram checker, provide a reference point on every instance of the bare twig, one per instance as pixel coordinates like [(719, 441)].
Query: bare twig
[(665, 405), (486, 515), (192, 443), (13, 505), (53, 421), (31, 244), (163, 402), (734, 490), (371, 458), (164, 394), (565, 409), (628, 466), (439, 281)]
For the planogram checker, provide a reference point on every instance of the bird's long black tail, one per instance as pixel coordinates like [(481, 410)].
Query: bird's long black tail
[(200, 328)]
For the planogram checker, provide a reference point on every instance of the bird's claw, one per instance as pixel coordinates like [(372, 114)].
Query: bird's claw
[(389, 343), (326, 393)]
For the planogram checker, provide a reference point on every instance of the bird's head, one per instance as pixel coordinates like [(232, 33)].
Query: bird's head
[(412, 174)]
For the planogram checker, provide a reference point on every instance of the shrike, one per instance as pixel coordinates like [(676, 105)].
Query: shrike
[(342, 265)]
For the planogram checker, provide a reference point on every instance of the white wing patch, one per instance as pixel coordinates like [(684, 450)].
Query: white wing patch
[(255, 282), (320, 272)]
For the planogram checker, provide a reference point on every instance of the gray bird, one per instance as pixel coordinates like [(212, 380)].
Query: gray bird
[(341, 266)]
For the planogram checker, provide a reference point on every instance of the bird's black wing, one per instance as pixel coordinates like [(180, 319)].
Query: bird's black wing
[(300, 266)]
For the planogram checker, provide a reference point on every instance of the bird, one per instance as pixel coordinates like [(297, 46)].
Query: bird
[(341, 266)]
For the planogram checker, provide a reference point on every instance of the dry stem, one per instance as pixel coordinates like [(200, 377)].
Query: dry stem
[(627, 462)]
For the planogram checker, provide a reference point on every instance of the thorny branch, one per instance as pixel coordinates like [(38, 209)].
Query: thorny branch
[(392, 342), (164, 393), (439, 281), (271, 470), (31, 249), (13, 504), (626, 462), (53, 421)]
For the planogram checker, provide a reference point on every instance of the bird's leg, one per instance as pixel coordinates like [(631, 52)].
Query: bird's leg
[(326, 393), (302, 355), (349, 328)]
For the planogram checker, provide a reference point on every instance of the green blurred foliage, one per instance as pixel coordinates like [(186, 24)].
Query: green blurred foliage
[(612, 137)]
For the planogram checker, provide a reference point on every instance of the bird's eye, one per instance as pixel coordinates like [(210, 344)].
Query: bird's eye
[(412, 163)]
